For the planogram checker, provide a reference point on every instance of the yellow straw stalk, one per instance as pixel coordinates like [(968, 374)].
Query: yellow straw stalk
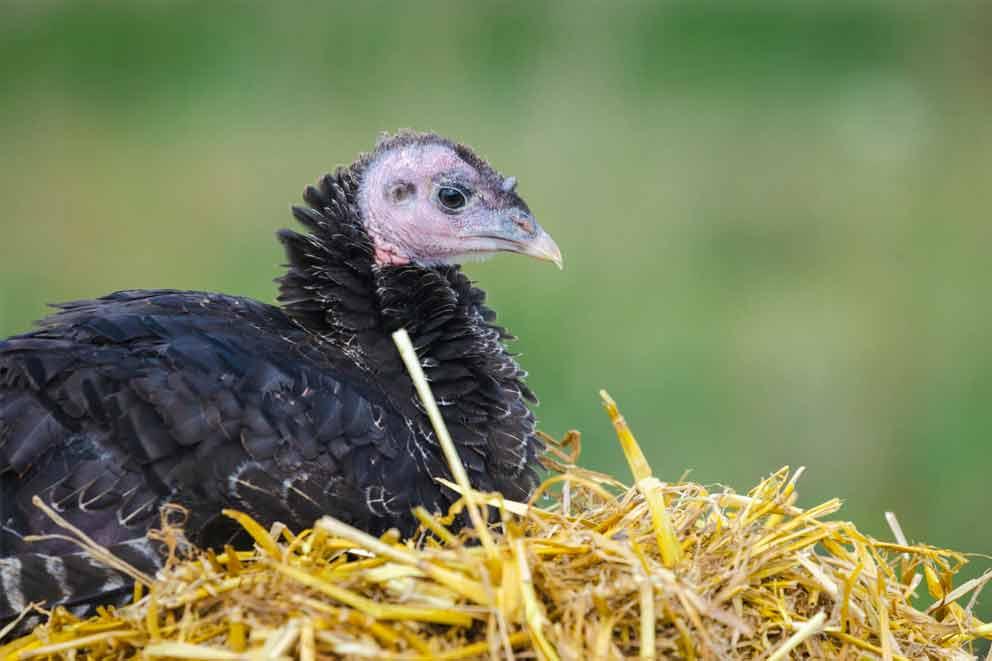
[(591, 568)]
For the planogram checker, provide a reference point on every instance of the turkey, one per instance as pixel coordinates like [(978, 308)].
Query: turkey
[(116, 406)]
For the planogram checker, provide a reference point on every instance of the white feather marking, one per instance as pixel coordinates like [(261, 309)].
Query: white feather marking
[(56, 569), (145, 548), (114, 580), (10, 579)]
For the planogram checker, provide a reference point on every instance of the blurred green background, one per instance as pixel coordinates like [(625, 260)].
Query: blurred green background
[(775, 216)]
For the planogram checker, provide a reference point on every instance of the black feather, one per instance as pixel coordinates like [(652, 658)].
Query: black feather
[(116, 406)]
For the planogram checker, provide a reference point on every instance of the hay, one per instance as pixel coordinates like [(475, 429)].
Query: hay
[(604, 570)]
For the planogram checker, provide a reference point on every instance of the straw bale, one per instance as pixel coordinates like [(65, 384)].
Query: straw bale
[(591, 568)]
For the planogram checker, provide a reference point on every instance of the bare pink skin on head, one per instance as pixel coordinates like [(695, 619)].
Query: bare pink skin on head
[(405, 198), (401, 222)]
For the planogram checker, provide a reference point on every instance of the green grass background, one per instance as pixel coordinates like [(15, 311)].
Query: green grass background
[(775, 216)]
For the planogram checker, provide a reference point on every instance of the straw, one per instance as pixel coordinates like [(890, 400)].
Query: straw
[(606, 570)]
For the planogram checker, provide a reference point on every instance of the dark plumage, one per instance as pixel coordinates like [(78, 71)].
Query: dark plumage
[(115, 406)]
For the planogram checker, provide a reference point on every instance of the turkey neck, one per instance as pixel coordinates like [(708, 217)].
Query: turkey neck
[(334, 290)]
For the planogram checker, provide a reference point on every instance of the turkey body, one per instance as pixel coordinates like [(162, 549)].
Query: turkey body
[(122, 403), (113, 407)]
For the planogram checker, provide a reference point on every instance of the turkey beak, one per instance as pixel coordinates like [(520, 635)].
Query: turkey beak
[(530, 239), (511, 230), (543, 247)]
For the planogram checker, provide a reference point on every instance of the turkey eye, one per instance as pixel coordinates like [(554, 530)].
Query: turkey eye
[(452, 198)]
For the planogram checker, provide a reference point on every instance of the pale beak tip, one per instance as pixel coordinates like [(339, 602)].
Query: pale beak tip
[(545, 248)]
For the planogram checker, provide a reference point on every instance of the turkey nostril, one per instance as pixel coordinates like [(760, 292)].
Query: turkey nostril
[(525, 223)]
